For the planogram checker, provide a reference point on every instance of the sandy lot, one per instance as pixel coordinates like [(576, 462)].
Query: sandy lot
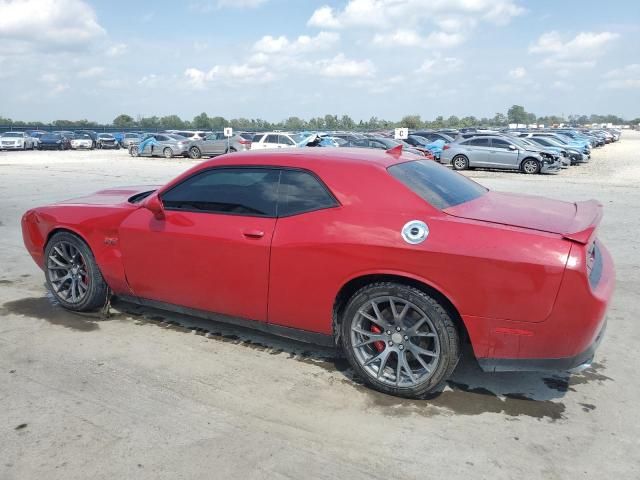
[(146, 394)]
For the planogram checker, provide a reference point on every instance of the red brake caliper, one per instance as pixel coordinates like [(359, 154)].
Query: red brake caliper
[(379, 345)]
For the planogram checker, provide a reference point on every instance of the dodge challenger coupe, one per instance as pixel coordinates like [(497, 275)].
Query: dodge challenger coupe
[(396, 259)]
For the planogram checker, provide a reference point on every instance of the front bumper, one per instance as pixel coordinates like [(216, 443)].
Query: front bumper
[(551, 167), (13, 146)]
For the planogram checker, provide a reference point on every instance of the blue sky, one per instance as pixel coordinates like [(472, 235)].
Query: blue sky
[(275, 58)]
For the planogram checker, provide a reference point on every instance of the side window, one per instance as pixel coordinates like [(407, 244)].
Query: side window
[(257, 137), (239, 191), (302, 192), (271, 139), (376, 144), (478, 142), (361, 142), (285, 140), (499, 143)]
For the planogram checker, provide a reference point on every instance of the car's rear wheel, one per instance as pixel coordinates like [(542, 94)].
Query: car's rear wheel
[(134, 151), (167, 152), (460, 162), (530, 166), (399, 339), (231, 150), (72, 273), (195, 153)]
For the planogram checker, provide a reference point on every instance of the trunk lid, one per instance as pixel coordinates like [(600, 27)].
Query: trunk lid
[(574, 221)]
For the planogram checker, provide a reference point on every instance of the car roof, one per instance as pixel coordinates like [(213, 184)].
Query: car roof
[(307, 157)]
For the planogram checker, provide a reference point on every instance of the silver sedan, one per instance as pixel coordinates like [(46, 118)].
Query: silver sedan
[(498, 152), (217, 144)]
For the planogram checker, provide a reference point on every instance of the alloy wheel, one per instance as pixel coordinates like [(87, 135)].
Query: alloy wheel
[(68, 272), (395, 342)]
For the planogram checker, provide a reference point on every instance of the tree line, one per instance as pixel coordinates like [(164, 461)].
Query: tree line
[(515, 114)]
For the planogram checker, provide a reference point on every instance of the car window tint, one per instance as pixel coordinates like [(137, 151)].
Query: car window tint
[(257, 137), (499, 143), (436, 184), (241, 191), (302, 192), (271, 139), (479, 142)]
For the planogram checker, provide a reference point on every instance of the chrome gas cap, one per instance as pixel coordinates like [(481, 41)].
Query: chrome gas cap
[(415, 231)]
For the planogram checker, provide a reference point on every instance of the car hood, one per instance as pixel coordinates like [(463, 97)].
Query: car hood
[(574, 221), (112, 196)]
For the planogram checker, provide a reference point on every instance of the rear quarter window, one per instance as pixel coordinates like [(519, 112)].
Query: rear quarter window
[(436, 184)]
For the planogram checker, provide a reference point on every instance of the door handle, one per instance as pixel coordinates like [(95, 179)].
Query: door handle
[(253, 233)]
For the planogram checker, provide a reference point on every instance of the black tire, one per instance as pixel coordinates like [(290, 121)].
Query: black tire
[(195, 153), (530, 166), (441, 325), (460, 162), (231, 150), (134, 151), (97, 291), (167, 152)]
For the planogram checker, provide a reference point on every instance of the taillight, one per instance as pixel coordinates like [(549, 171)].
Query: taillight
[(244, 142), (446, 147)]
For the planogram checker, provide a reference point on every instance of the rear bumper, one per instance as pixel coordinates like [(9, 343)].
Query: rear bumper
[(583, 359), (567, 338)]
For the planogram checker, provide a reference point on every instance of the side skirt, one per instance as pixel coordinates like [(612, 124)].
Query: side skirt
[(287, 332)]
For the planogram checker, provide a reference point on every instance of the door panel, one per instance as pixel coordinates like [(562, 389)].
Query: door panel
[(206, 261)]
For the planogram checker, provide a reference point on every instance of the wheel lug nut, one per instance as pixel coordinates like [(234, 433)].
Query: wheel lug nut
[(406, 338), (398, 329), (391, 344), (401, 347), (388, 332)]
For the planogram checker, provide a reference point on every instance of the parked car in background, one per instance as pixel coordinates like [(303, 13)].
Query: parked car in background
[(16, 141), (54, 141), (267, 140), (189, 134), (82, 141), (432, 136), (93, 135), (395, 260), (106, 140), (497, 152), (382, 143), (160, 144), (35, 135), (547, 142), (217, 144), (129, 139)]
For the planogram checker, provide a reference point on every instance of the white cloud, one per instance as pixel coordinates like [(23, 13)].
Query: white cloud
[(117, 50), (392, 13), (518, 73), (341, 66), (151, 80), (91, 72), (410, 38), (304, 43), (45, 24), (625, 77), (439, 65), (577, 52), (232, 74)]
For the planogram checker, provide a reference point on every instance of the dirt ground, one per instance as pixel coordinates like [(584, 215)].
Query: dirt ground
[(147, 394)]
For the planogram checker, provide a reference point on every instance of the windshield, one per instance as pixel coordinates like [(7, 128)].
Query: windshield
[(50, 136), (297, 138), (436, 184), (104, 135), (12, 134)]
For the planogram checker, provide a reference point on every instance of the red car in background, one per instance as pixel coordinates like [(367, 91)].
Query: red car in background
[(395, 259)]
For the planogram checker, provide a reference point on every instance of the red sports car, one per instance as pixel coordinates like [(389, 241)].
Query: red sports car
[(395, 259)]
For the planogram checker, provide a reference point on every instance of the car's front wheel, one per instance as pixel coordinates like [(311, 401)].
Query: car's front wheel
[(530, 166), (399, 339), (460, 162), (72, 273), (195, 153), (134, 151)]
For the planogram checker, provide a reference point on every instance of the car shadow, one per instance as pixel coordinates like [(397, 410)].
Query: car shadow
[(469, 391)]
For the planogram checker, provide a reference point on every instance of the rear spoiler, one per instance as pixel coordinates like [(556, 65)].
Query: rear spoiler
[(585, 223)]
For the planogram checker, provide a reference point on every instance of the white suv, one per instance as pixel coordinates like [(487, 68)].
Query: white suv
[(262, 141)]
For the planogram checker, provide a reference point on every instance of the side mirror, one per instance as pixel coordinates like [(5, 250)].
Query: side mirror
[(512, 147), (154, 205)]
